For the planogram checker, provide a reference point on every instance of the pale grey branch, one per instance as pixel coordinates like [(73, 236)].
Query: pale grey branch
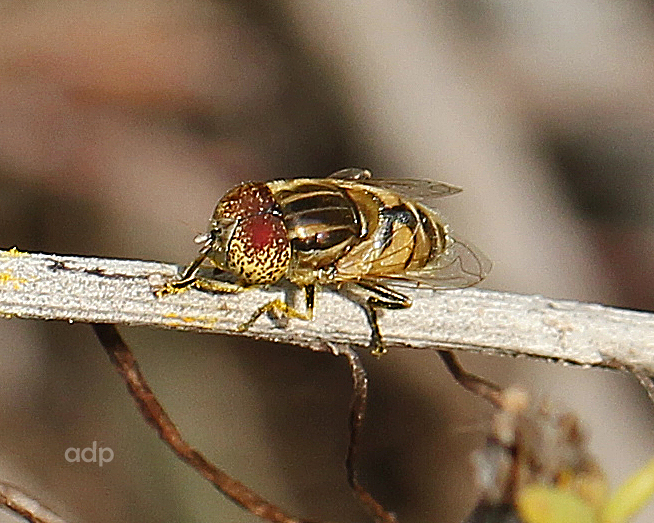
[(97, 290), (27, 507)]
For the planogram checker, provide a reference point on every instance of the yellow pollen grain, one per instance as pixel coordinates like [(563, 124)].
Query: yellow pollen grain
[(13, 253), (175, 316), (8, 277), (189, 319)]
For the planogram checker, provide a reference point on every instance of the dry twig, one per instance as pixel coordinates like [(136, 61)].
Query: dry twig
[(96, 290), (155, 415), (26, 506), (357, 413)]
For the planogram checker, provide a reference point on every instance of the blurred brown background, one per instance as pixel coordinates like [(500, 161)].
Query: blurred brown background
[(123, 122)]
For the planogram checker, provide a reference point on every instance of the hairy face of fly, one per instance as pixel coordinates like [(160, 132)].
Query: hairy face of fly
[(216, 242)]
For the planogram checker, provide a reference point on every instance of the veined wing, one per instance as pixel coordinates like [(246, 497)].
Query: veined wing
[(460, 266), (422, 191)]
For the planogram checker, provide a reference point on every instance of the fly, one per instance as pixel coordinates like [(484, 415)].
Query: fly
[(347, 231)]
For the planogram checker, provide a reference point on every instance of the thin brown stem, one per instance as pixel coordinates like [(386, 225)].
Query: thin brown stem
[(475, 384), (155, 415), (357, 414), (647, 382), (25, 506), (645, 378)]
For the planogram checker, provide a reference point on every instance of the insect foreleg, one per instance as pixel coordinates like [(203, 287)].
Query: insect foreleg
[(382, 298), (203, 284), (283, 309), (188, 276), (210, 285)]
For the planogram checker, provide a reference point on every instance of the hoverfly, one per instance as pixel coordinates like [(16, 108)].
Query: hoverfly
[(346, 231)]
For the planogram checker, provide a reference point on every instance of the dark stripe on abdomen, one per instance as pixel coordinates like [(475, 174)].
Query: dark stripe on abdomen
[(433, 231), (320, 218)]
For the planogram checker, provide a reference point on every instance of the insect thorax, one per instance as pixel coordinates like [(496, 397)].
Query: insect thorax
[(323, 223)]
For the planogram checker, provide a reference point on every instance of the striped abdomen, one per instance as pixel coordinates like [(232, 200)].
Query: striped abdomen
[(355, 230), (407, 237)]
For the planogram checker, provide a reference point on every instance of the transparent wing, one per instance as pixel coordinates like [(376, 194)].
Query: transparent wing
[(373, 253), (423, 191), (460, 266), (351, 173)]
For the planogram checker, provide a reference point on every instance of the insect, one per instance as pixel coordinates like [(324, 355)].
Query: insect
[(536, 468), (346, 231)]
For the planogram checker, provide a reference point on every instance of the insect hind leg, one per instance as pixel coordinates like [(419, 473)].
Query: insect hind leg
[(381, 298), (386, 298)]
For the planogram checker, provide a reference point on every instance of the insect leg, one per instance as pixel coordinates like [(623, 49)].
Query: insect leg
[(357, 413), (310, 300), (209, 285), (383, 298), (390, 299), (283, 309), (188, 276)]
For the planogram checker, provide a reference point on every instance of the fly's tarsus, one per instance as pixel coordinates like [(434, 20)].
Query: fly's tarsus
[(381, 298)]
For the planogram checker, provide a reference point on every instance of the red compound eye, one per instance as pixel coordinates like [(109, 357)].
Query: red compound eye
[(245, 200), (263, 230), (259, 250)]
